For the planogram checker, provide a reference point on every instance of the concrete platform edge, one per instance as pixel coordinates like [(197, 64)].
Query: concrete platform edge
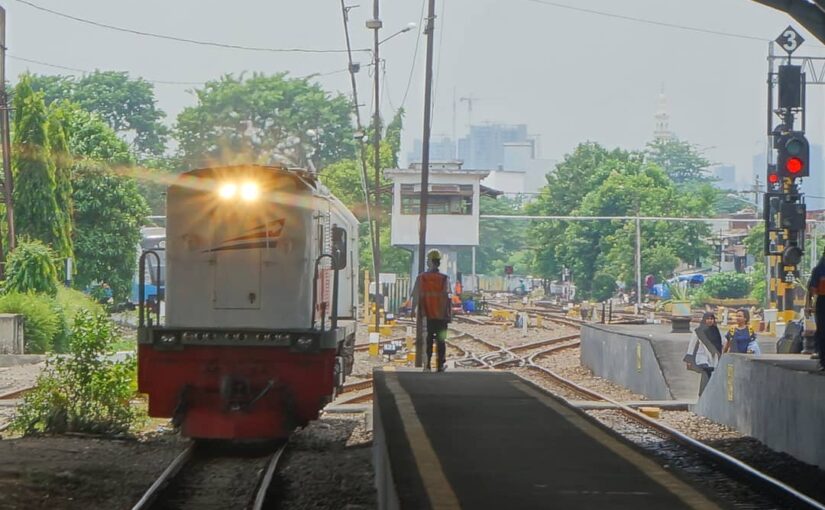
[(626, 359), (779, 405), (384, 481)]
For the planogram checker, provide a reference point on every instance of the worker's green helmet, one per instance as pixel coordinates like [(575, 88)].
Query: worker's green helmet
[(434, 256)]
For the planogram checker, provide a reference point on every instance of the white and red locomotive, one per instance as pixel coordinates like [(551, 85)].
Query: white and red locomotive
[(261, 295)]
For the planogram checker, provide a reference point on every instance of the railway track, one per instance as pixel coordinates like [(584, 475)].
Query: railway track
[(710, 466), (215, 476), (7, 402)]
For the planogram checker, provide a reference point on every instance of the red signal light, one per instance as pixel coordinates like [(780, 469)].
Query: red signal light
[(794, 165), (773, 178)]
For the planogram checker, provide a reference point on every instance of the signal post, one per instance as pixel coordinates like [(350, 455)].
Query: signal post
[(784, 204)]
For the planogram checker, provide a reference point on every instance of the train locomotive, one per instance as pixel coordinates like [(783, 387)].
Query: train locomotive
[(260, 303)]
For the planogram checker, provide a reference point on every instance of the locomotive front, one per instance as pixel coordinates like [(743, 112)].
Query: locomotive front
[(259, 278)]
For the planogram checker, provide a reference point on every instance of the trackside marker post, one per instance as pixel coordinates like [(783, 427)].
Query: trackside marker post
[(374, 344)]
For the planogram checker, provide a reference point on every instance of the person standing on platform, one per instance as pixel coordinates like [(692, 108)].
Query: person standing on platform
[(431, 294), (816, 288), (741, 337), (705, 349)]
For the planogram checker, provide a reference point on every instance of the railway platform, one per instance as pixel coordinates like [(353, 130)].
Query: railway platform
[(646, 358), (476, 439), (776, 398)]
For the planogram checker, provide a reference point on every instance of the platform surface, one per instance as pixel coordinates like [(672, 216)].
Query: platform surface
[(482, 439)]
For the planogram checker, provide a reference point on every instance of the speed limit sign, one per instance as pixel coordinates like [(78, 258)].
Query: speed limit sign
[(790, 40)]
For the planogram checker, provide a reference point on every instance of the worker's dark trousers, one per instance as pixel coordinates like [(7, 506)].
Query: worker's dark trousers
[(437, 332), (820, 330)]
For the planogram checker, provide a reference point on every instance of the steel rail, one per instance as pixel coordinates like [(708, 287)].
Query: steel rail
[(356, 386), (165, 477), (721, 458), (16, 393), (266, 481)]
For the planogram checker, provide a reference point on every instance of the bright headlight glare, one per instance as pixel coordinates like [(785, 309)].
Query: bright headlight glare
[(227, 191), (250, 191)]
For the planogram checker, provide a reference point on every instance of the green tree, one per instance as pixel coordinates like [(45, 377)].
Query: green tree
[(36, 209), (682, 162), (595, 182), (30, 268), (127, 105), (501, 242), (109, 212), (63, 164), (580, 172), (108, 207), (265, 119)]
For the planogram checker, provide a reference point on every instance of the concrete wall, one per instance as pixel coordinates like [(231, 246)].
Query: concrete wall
[(778, 399), (624, 359), (11, 333), (384, 482)]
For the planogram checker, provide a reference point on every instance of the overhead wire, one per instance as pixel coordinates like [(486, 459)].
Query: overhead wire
[(180, 39), (438, 62), (158, 82), (635, 19), (415, 54), (86, 71)]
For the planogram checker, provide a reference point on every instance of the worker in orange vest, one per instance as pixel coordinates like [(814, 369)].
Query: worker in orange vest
[(432, 294)]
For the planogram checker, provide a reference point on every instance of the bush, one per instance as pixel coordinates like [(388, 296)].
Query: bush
[(44, 328), (84, 391), (30, 268), (727, 286), (603, 286), (73, 301)]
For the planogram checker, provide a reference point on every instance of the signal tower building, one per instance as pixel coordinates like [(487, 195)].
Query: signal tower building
[(452, 212)]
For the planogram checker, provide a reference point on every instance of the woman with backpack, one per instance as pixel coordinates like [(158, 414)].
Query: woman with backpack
[(705, 349)]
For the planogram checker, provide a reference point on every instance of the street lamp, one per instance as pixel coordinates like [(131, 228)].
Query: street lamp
[(409, 27)]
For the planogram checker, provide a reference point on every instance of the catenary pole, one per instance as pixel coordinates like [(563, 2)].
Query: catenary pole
[(429, 28), (6, 140), (375, 24), (362, 156)]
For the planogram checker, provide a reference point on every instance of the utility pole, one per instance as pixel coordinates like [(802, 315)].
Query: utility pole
[(6, 142), (360, 135), (638, 262), (375, 24), (429, 28)]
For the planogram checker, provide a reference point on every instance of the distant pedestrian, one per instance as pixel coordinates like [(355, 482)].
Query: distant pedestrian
[(431, 294), (816, 288), (705, 349), (741, 337)]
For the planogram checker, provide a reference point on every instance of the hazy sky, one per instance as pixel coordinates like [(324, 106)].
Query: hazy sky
[(570, 76)]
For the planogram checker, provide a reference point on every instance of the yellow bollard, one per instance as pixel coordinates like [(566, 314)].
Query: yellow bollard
[(374, 344), (539, 321), (410, 341)]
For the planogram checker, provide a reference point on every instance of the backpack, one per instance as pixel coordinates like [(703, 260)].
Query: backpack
[(791, 341)]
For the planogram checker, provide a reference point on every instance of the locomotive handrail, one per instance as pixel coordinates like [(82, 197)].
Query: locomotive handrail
[(142, 286), (334, 318)]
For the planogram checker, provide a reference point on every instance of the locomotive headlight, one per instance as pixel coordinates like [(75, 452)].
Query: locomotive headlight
[(303, 344), (228, 190), (250, 191)]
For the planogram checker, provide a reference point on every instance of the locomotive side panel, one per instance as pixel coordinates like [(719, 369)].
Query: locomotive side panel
[(348, 277)]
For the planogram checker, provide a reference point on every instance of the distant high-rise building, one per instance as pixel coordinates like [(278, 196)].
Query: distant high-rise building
[(441, 149), (506, 151), (662, 118), (725, 176), (483, 147)]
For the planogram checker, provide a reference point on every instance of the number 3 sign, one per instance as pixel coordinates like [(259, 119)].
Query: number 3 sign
[(790, 40)]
